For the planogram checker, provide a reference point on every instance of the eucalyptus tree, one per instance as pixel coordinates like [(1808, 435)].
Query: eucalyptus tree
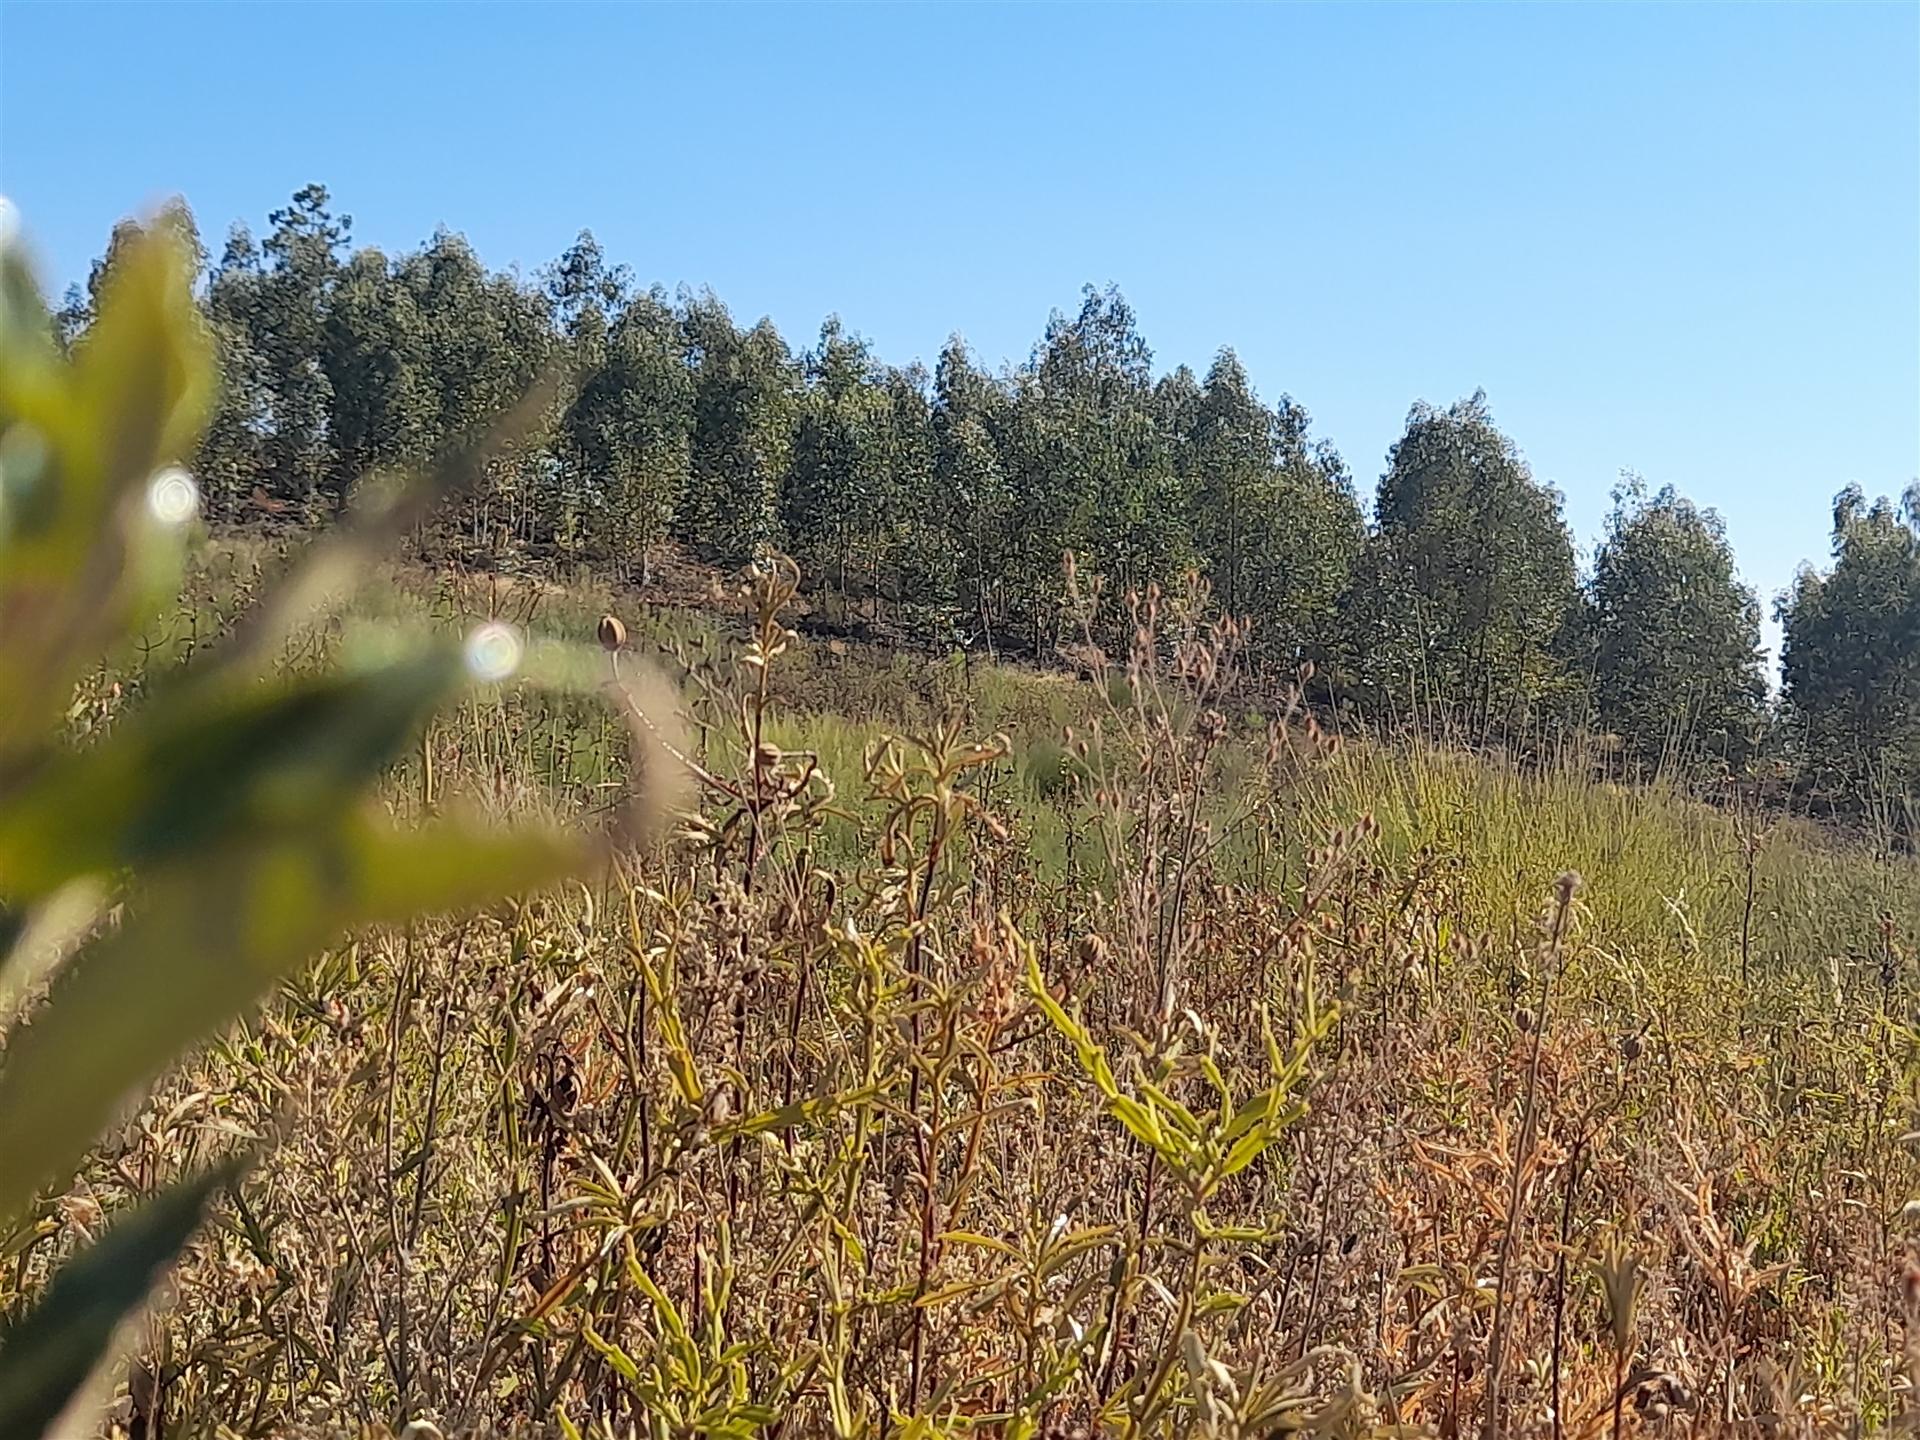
[(1676, 636), (1850, 662), (835, 497), (1274, 515), (1467, 592), (744, 405)]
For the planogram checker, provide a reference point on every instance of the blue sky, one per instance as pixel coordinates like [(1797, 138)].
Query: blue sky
[(1682, 240)]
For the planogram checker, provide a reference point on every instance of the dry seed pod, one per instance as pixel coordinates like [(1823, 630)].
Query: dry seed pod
[(613, 635)]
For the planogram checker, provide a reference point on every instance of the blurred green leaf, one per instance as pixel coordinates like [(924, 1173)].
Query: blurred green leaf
[(81, 554), (47, 1357), (26, 333), (145, 366), (227, 809), (385, 508), (203, 764), (205, 940)]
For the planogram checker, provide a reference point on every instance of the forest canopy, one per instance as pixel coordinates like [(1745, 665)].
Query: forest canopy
[(947, 499)]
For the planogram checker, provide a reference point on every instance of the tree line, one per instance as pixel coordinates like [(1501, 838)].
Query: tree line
[(949, 498)]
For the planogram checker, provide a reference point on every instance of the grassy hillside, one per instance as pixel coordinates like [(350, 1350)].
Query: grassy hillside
[(994, 1051)]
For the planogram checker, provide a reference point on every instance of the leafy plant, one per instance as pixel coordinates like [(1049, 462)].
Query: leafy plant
[(216, 835)]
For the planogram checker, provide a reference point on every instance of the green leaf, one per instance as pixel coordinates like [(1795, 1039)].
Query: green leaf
[(1093, 1060), (1142, 1122), (146, 366), (1220, 1302), (446, 868), (204, 942), (1070, 1247), (1253, 1112), (1250, 1146), (613, 1354), (1172, 1109), (1210, 1068), (26, 332), (985, 1242), (206, 761), (796, 1114), (1239, 1234), (50, 1354), (673, 1035), (80, 554), (669, 1313), (957, 1289)]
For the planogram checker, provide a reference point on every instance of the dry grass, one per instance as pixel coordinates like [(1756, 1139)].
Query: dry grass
[(1188, 1073)]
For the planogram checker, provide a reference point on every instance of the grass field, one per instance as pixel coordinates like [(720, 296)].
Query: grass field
[(999, 1052)]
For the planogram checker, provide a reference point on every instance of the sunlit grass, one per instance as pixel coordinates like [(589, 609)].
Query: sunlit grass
[(1726, 1069)]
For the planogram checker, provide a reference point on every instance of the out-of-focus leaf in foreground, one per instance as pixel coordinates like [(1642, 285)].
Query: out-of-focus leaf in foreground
[(230, 809), (197, 767), (84, 553), (202, 943), (49, 1354)]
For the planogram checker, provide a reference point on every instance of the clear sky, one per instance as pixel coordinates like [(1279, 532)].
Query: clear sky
[(1682, 240)]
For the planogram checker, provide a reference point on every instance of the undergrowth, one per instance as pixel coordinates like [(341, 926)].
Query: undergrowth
[(989, 1052)]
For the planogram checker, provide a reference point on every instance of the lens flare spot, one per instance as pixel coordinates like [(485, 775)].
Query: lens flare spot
[(493, 652), (172, 497)]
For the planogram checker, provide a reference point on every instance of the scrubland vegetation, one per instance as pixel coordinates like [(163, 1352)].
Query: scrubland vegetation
[(1106, 1056), (928, 1046)]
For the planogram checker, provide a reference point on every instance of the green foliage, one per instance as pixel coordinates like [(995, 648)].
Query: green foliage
[(1201, 1151), (1277, 518), (225, 817), (48, 1356), (623, 444), (974, 499), (1090, 467), (836, 501), (287, 317), (1467, 590), (940, 507), (1851, 659), (744, 401), (1676, 635)]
